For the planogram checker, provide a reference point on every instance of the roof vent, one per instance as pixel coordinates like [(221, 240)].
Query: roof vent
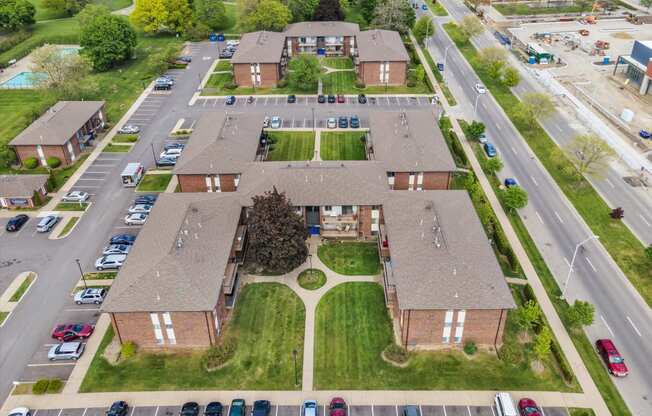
[(179, 242)]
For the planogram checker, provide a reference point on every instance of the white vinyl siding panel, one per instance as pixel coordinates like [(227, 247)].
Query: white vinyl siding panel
[(156, 324)]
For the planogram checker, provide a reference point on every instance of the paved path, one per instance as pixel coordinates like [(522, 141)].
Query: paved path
[(317, 155)]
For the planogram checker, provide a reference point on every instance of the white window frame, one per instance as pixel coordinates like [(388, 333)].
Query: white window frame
[(420, 181), (218, 186), (41, 154), (209, 183), (411, 181), (156, 325), (169, 328), (459, 329), (448, 322), (71, 150)]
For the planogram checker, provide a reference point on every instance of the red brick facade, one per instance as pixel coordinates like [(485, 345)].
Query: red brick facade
[(197, 183), (270, 74), (430, 181), (369, 73), (6, 201)]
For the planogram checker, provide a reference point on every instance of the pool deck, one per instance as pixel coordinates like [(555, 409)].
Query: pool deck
[(23, 65)]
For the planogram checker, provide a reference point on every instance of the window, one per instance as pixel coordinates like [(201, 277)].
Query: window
[(328, 208), (209, 186), (169, 330), (217, 184), (390, 178), (156, 324), (459, 330), (347, 210), (448, 322)]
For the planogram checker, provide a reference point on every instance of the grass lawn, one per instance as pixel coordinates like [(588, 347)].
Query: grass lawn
[(223, 65), (356, 312), (100, 275), (71, 206), (66, 229), (117, 148), (338, 63), (18, 294), (343, 82), (436, 8), (349, 145), (47, 14), (231, 25), (350, 258), (268, 323), (217, 82), (125, 138), (62, 31), (17, 110), (154, 182), (312, 279), (291, 145), (524, 9), (3, 316)]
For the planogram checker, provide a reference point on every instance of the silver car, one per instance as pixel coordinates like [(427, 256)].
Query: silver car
[(140, 208), (110, 261), (129, 129), (75, 196), (66, 351), (116, 249), (47, 223), (90, 295), (136, 219)]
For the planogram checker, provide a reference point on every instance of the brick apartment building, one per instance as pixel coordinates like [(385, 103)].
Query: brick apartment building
[(62, 132), (379, 56), (18, 191)]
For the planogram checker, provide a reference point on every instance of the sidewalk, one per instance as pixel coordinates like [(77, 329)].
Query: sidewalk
[(583, 377), (81, 367)]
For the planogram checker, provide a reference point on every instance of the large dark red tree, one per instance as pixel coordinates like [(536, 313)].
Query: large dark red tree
[(328, 10)]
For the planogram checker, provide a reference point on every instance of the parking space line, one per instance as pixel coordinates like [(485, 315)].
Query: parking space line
[(155, 413), (84, 413), (35, 412), (50, 364), (396, 408), (468, 409), (492, 410), (60, 410), (444, 408), (275, 413), (132, 411), (372, 410)]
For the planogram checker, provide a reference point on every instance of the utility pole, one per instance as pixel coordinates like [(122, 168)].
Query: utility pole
[(81, 273)]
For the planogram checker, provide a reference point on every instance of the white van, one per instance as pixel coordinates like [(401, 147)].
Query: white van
[(505, 405), (132, 174)]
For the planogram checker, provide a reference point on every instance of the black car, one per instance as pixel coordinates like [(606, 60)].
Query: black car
[(118, 408), (331, 99), (213, 409), (145, 199), (189, 409), (162, 87), (126, 239), (343, 122), (16, 223), (166, 161), (186, 59), (173, 145), (261, 408), (226, 54), (321, 99), (230, 100), (362, 99), (292, 99)]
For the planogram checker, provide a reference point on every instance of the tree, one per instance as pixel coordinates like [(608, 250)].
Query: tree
[(395, 15), (648, 253), (511, 77), (328, 10), (69, 7), (528, 316), (590, 154), (268, 15), (646, 3), (367, 8), (471, 26), (543, 343), (302, 10), (580, 313), (475, 129), (159, 61), (277, 234), (107, 40), (515, 197), (15, 14), (63, 70), (90, 12), (212, 13), (493, 165), (493, 59), (304, 72), (423, 28), (535, 106), (162, 15)]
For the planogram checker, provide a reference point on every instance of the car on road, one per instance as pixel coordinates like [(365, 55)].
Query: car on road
[(129, 129), (480, 89), (261, 408), (292, 99), (528, 407), (47, 223), (341, 99), (354, 122), (140, 208), (490, 150), (510, 182), (213, 409), (167, 161), (118, 408), (20, 411), (343, 122), (645, 134), (123, 239), (266, 122), (331, 99), (237, 407), (173, 145), (90, 295), (66, 351), (321, 99), (110, 261), (146, 199), (116, 249), (310, 408), (16, 223), (331, 123), (362, 99), (230, 100), (276, 122), (76, 196), (189, 409), (483, 138), (613, 360), (136, 219), (410, 410), (337, 407), (71, 332), (424, 7)]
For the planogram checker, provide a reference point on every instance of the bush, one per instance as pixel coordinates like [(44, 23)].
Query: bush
[(7, 157), (30, 163), (41, 386), (396, 353), (8, 42), (470, 348), (55, 385), (282, 83), (128, 350), (53, 162), (215, 357), (411, 83), (359, 84), (564, 366), (230, 85)]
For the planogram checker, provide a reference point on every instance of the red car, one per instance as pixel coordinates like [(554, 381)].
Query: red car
[(341, 99), (528, 407), (69, 332), (337, 407), (611, 357)]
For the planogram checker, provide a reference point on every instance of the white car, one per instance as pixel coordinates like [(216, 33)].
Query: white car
[(20, 411), (276, 122), (116, 249), (111, 261), (331, 123), (176, 152), (140, 208), (90, 295), (66, 351), (76, 196), (47, 223), (129, 129), (266, 122), (480, 88), (483, 138), (136, 219)]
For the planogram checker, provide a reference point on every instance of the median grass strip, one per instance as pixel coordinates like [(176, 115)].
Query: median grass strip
[(117, 148), (125, 138), (71, 206), (3, 316), (154, 182), (291, 145), (436, 8), (349, 145), (350, 258), (20, 292), (100, 275), (69, 225)]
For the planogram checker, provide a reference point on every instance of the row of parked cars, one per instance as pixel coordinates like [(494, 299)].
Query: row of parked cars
[(138, 212), (46, 224), (332, 122), (229, 50), (170, 154)]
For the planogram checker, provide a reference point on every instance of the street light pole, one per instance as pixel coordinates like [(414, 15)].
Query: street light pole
[(570, 267), (296, 377), (81, 273)]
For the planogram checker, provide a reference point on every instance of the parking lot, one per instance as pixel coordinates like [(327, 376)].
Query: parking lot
[(92, 178), (351, 101)]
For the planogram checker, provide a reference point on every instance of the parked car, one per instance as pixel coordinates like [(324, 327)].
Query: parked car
[(167, 161), (16, 223), (483, 138), (176, 152), (226, 54), (90, 295), (118, 408), (173, 145), (645, 134), (66, 351), (292, 99), (266, 122), (163, 80), (528, 407), (331, 99), (237, 407), (47, 223), (110, 261), (362, 99), (233, 42), (20, 411), (70, 332), (480, 89), (331, 123), (146, 199), (490, 150), (310, 408), (122, 239), (230, 100), (189, 409), (136, 219), (76, 196), (162, 86), (510, 182), (343, 122), (321, 99), (213, 409), (341, 99), (504, 405), (613, 360), (185, 58), (116, 249), (140, 208), (354, 122), (337, 407), (129, 129), (410, 410), (261, 408), (276, 122)]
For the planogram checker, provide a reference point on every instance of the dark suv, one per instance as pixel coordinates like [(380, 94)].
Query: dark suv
[(237, 407), (189, 409), (261, 408), (213, 409), (118, 408), (16, 223)]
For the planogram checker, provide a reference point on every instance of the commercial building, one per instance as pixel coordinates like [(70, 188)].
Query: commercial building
[(639, 65), (62, 132), (22, 191)]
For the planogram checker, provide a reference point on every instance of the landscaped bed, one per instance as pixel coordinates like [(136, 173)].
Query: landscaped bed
[(117, 148), (154, 182), (338, 63), (71, 206), (268, 323), (291, 145), (311, 279), (350, 258), (349, 145), (220, 84), (68, 227), (355, 313)]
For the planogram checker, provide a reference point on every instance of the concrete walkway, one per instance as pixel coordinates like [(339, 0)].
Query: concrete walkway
[(583, 377), (317, 156), (81, 367)]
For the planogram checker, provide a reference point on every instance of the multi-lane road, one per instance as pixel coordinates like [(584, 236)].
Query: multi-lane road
[(556, 227)]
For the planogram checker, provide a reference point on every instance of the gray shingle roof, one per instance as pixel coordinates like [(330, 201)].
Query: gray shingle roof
[(322, 29), (409, 141), (58, 124), (441, 258), (381, 45), (259, 47), (21, 186)]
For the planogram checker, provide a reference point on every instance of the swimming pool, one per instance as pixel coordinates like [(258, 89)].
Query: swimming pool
[(24, 79), (69, 50)]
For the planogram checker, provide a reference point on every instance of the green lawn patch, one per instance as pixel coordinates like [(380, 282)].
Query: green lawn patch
[(154, 182), (291, 145), (311, 279), (217, 85), (71, 206), (223, 65), (231, 25), (350, 257), (338, 63), (125, 138), (61, 175), (348, 145), (436, 8), (3, 316), (100, 275), (525, 9), (20, 292), (62, 31), (117, 148), (341, 82), (268, 323), (66, 229), (43, 13)]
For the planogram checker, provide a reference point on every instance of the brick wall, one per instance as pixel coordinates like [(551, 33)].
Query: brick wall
[(26, 151), (369, 73), (401, 180), (436, 180), (269, 74), (227, 183), (347, 46), (364, 220), (192, 183), (242, 75)]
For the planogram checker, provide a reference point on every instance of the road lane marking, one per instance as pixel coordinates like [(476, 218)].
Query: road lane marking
[(539, 216), (558, 217), (604, 321), (609, 182), (534, 180), (514, 150), (644, 220), (50, 364), (567, 262), (591, 264), (633, 326)]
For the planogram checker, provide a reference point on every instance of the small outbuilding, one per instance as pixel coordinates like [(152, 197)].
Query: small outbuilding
[(22, 191)]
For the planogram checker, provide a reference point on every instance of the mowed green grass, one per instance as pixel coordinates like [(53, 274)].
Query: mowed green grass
[(353, 327), (63, 31), (154, 182), (348, 145), (341, 82), (338, 63), (16, 107), (43, 13), (291, 146), (268, 324), (350, 258)]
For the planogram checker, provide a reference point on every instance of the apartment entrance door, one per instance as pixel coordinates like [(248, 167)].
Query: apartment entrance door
[(312, 220)]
